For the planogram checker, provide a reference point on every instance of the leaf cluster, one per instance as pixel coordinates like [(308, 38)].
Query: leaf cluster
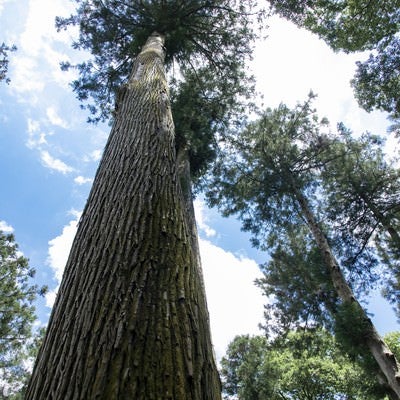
[(349, 25), (377, 80), (297, 282), (17, 312), (262, 162), (303, 364), (205, 108), (4, 61), (213, 34), (362, 188)]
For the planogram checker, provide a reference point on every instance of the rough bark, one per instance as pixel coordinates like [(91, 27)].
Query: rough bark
[(130, 320), (383, 356)]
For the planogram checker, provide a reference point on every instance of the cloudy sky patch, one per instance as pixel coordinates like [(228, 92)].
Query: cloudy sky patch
[(6, 228), (53, 163)]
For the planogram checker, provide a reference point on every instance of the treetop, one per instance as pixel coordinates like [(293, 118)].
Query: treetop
[(199, 33)]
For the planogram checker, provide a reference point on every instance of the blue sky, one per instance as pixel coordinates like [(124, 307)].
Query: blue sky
[(49, 154)]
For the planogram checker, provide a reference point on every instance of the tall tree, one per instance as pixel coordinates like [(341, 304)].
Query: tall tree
[(269, 177), (17, 315), (306, 364), (351, 26), (130, 319)]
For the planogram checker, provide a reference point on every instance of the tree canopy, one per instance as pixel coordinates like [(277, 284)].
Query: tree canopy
[(215, 35), (301, 365), (362, 186), (377, 80), (349, 25), (271, 176), (206, 44)]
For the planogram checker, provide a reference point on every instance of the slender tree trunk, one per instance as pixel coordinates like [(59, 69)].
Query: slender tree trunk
[(383, 356), (130, 320)]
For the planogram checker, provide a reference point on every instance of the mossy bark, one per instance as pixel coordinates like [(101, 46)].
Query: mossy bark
[(130, 320)]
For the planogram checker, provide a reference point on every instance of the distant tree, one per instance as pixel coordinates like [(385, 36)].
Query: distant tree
[(240, 368), (4, 50), (17, 315), (307, 364), (356, 26), (269, 176), (130, 319)]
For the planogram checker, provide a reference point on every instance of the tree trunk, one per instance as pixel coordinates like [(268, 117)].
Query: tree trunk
[(383, 356), (130, 320)]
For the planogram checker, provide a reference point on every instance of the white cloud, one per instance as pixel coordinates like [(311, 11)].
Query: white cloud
[(26, 77), (96, 155), (93, 156), (40, 50), (54, 163), (54, 118), (2, 3), (235, 304), (36, 137), (291, 61), (201, 218), (80, 180), (59, 249), (6, 228), (40, 26)]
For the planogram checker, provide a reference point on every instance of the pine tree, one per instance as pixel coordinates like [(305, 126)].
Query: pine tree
[(269, 177), (130, 319)]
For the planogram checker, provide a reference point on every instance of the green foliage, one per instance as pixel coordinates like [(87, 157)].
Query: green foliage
[(377, 81), (4, 50), (261, 170), (204, 108), (239, 368), (390, 256), (17, 315), (261, 163), (302, 365), (350, 25), (266, 173), (392, 339), (297, 280), (350, 326), (211, 34)]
